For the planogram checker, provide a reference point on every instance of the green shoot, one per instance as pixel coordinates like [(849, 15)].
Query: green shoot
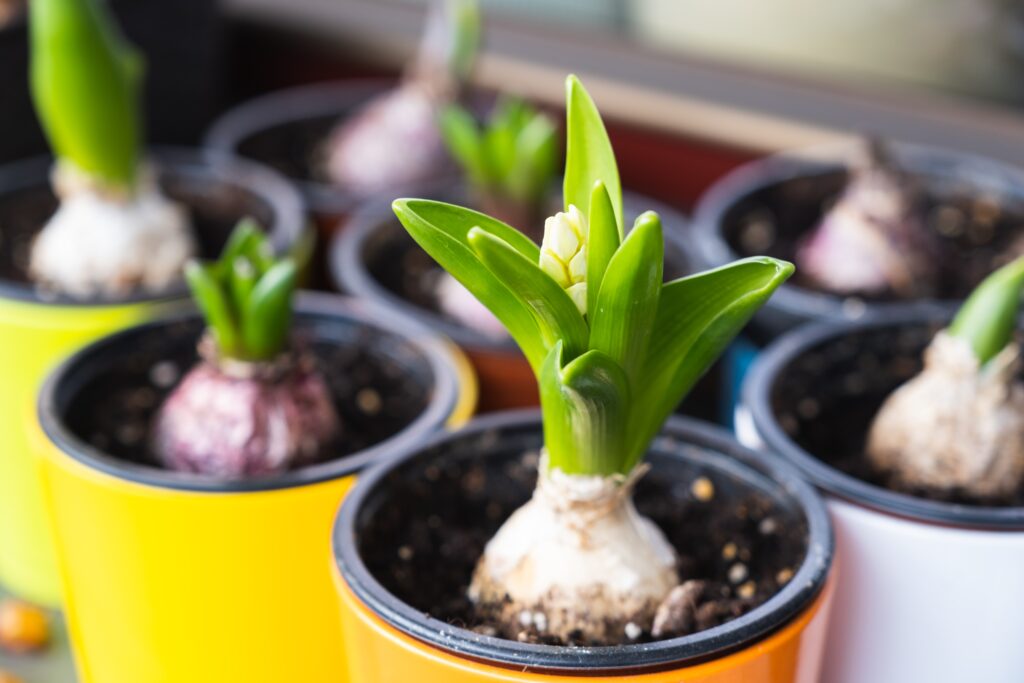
[(246, 295), (989, 316), (512, 156), (616, 356), (85, 83)]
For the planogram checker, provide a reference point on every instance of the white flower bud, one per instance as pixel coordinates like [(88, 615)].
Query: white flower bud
[(563, 254)]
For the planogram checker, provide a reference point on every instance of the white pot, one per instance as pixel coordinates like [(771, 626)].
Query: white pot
[(928, 591)]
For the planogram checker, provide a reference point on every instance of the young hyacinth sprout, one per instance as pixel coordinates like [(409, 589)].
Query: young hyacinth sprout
[(873, 241), (614, 349), (510, 162), (252, 406), (510, 166), (114, 231), (394, 139), (959, 424)]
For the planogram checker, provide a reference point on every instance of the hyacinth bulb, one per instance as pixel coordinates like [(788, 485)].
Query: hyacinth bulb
[(958, 426), (394, 139), (232, 419), (873, 241)]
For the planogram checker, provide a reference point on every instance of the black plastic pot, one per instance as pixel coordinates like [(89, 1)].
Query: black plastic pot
[(286, 129), (495, 446), (375, 259), (249, 557), (811, 397), (182, 42), (766, 206), (218, 190)]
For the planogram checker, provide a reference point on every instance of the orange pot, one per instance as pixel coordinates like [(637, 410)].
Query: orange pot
[(388, 639), (373, 252)]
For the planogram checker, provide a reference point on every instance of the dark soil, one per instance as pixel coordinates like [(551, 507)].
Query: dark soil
[(378, 385), (423, 538), (294, 148), (978, 232), (826, 400), (215, 208)]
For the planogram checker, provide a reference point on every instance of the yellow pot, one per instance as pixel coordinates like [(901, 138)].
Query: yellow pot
[(35, 333), (173, 577), (387, 638)]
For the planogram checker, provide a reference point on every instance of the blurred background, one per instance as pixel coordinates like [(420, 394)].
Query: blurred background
[(715, 82)]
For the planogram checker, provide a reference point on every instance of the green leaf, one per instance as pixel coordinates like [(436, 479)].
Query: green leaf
[(302, 253), (533, 166), (242, 279), (239, 243), (589, 156), (557, 316), (462, 138), (213, 303), (698, 316), (267, 315), (442, 230), (85, 83), (464, 37), (602, 241), (988, 317), (628, 300), (585, 407)]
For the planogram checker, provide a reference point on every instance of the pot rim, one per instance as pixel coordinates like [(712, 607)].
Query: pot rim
[(756, 397), (442, 401), (297, 104), (798, 595), (350, 275), (285, 202), (805, 303)]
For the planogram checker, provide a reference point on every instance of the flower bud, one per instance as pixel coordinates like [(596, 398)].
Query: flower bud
[(563, 254)]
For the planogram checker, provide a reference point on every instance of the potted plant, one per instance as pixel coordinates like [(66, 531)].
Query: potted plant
[(508, 171), (470, 578), (911, 424), (192, 467), (102, 245), (871, 226), (344, 142)]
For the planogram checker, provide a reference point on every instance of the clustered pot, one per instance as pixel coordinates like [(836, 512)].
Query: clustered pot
[(399, 510), (765, 207), (36, 330), (930, 589), (180, 577), (974, 204), (287, 130), (376, 259)]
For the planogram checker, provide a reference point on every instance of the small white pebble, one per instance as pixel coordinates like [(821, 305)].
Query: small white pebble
[(540, 620), (768, 526), (163, 374), (405, 553), (526, 618), (633, 631), (746, 591), (369, 401), (737, 573)]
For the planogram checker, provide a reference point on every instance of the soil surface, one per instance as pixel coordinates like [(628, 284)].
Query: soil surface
[(827, 399), (978, 232), (423, 538), (214, 207), (375, 395), (294, 148)]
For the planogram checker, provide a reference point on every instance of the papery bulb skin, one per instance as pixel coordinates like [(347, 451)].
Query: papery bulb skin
[(873, 241), (233, 420), (110, 241), (955, 427), (577, 560), (393, 141)]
